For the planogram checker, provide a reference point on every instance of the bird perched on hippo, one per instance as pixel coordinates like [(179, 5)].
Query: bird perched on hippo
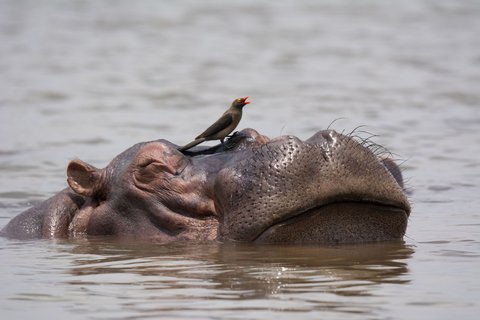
[(221, 128)]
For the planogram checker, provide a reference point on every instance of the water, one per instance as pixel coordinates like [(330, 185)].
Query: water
[(88, 79)]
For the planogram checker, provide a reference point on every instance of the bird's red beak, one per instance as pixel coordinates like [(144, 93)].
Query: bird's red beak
[(245, 100)]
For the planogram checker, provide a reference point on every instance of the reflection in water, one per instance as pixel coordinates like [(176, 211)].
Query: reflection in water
[(182, 277)]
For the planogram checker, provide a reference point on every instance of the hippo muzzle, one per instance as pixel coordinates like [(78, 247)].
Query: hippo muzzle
[(327, 189)]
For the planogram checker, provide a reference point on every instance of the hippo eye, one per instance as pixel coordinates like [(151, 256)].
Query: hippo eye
[(157, 166)]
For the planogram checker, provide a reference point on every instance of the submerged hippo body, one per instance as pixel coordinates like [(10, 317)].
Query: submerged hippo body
[(327, 189)]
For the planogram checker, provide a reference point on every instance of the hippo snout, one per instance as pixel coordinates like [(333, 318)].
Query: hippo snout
[(288, 179)]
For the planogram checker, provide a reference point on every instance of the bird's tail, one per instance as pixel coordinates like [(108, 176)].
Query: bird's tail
[(191, 144)]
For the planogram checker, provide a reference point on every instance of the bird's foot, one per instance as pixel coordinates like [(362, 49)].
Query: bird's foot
[(233, 135), (233, 140)]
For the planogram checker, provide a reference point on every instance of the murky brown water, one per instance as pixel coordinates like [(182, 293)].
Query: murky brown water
[(88, 79)]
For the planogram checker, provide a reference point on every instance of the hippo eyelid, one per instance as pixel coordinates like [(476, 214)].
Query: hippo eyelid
[(146, 162), (167, 168)]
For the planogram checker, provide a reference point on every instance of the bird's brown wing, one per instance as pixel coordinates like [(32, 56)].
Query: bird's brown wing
[(218, 126)]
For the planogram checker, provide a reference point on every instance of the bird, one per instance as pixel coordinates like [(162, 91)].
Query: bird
[(223, 126)]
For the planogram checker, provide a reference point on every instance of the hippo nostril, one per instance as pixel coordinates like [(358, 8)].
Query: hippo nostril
[(328, 135), (325, 156)]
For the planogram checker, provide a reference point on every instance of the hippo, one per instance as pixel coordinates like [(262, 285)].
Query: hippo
[(331, 188)]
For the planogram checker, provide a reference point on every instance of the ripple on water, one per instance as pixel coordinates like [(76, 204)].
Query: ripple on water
[(92, 141), (19, 195), (458, 254), (440, 188)]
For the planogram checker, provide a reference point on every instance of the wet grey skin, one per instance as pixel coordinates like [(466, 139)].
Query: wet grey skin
[(327, 189), (223, 126)]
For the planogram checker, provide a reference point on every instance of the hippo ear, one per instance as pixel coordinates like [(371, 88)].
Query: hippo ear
[(83, 178)]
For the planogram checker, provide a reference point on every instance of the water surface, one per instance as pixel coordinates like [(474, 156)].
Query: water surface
[(89, 79)]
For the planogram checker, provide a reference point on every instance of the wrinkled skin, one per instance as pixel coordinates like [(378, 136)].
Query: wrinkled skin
[(327, 189)]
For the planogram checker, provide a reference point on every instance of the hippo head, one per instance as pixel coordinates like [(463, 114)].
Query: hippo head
[(150, 191), (327, 189)]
